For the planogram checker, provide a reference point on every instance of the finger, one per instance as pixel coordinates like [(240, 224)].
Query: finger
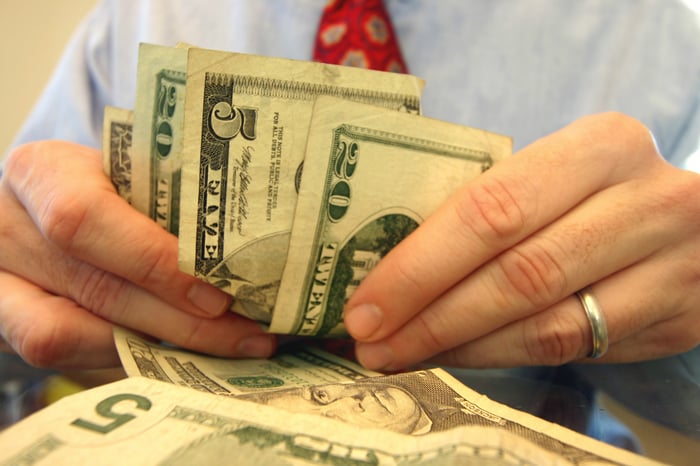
[(117, 300), (51, 331), (637, 331), (511, 201), (228, 335), (676, 335), (76, 208), (647, 312), (585, 246)]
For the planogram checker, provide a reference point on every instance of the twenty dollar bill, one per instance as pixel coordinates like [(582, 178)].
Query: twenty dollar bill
[(370, 178), (159, 124)]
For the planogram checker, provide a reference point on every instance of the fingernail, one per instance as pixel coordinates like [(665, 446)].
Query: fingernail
[(363, 320), (258, 346), (208, 298), (374, 356)]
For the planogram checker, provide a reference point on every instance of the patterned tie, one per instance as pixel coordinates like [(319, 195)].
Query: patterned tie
[(358, 33)]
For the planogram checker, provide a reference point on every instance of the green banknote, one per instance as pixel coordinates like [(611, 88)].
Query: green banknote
[(247, 119), (292, 366), (117, 142), (370, 178), (148, 422), (159, 118)]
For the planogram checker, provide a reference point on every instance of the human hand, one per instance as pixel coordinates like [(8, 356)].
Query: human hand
[(76, 258), (489, 279)]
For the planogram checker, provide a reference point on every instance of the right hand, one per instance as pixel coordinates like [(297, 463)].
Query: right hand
[(75, 258)]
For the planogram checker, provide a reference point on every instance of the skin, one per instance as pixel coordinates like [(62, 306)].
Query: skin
[(76, 258), (488, 280)]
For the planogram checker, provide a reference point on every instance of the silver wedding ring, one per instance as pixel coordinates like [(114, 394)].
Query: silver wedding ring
[(599, 328)]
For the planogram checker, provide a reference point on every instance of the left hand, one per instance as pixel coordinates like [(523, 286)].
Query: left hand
[(489, 279)]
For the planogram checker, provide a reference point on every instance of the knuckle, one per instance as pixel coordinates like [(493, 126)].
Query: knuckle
[(676, 196), (432, 335), (613, 121), (491, 210), (408, 273), (62, 211), (194, 337), (155, 265), (19, 161), (531, 272), (628, 133), (62, 217), (46, 346), (630, 129), (457, 357), (97, 290), (552, 340)]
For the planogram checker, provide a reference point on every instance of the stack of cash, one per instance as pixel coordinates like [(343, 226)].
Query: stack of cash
[(285, 181), (301, 407)]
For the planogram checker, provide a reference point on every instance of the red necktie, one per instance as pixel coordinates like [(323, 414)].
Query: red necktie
[(358, 33)]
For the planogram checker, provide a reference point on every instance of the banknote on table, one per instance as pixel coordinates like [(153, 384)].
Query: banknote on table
[(292, 366), (370, 178), (431, 401), (117, 144), (143, 421), (159, 119), (247, 118)]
